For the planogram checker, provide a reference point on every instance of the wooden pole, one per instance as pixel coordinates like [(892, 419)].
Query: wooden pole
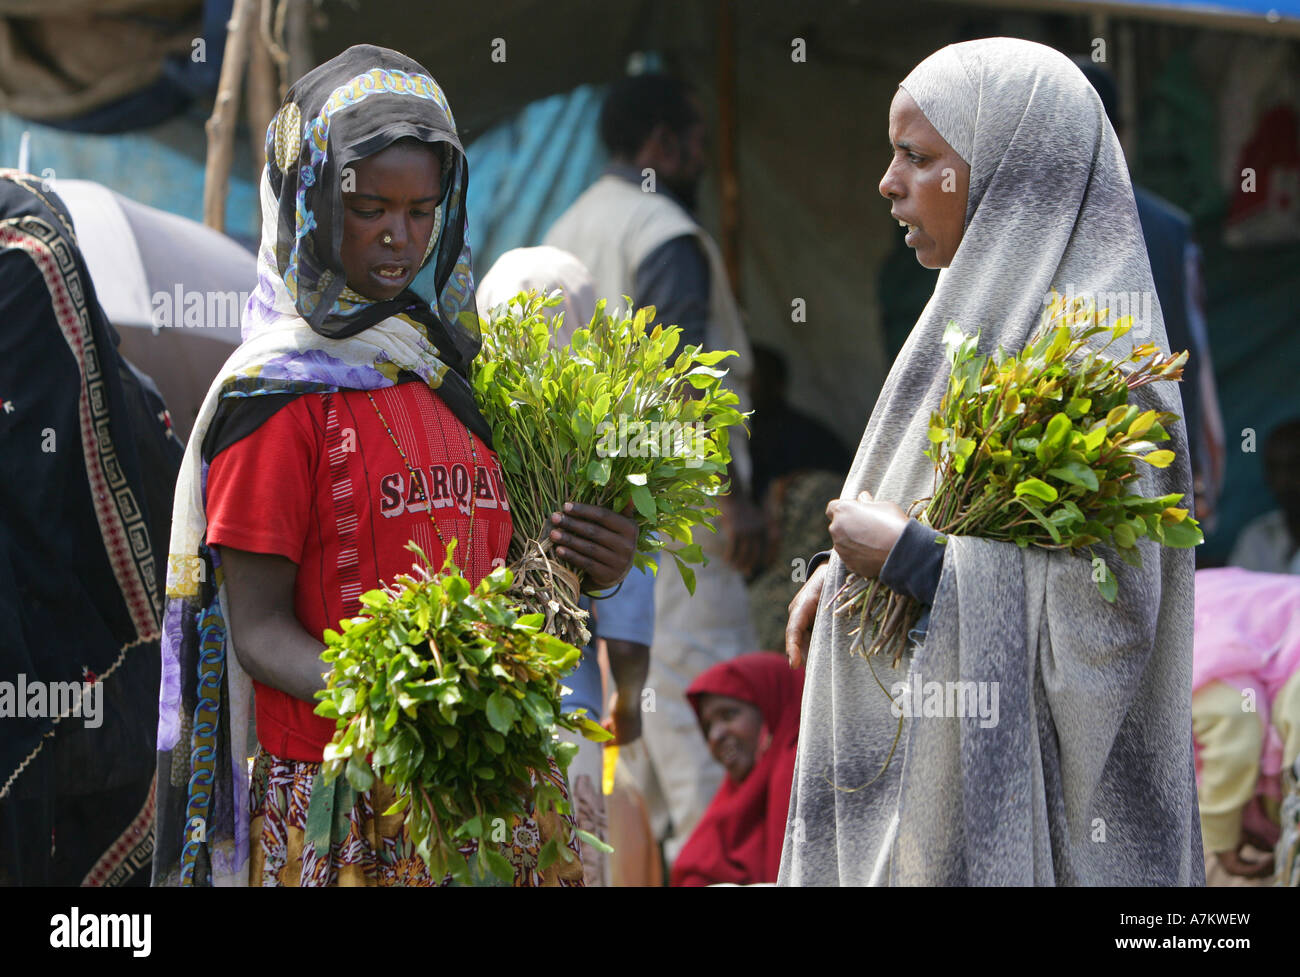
[(298, 38), (726, 84), (272, 35), (263, 94), (225, 111)]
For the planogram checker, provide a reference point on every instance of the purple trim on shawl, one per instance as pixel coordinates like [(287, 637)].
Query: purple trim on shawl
[(169, 692), (260, 310), (318, 366), (222, 862)]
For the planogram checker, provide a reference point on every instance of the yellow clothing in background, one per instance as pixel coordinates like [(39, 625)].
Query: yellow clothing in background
[(1231, 739)]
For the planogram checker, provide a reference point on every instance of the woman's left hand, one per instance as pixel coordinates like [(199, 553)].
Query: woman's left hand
[(864, 531), (596, 541)]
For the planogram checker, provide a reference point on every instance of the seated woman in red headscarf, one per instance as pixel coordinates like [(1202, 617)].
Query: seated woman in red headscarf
[(748, 710)]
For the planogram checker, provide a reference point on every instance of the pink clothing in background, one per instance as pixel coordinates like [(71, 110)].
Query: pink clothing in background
[(1247, 635)]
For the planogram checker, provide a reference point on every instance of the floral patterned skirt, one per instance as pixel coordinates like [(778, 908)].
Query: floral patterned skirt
[(306, 832)]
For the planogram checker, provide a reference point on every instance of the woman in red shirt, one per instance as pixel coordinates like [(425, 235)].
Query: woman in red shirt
[(341, 429), (748, 710)]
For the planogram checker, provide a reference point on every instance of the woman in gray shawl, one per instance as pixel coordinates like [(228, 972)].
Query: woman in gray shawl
[(1009, 178)]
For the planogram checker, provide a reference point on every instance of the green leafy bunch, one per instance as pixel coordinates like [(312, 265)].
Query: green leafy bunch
[(616, 417), (451, 696), (1039, 448)]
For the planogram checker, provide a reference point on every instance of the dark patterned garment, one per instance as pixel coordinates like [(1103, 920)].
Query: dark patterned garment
[(86, 465)]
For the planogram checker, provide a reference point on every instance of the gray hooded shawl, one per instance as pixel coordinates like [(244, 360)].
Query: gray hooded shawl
[(1087, 776)]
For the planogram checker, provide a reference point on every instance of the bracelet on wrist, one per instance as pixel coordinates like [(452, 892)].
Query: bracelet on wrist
[(616, 589)]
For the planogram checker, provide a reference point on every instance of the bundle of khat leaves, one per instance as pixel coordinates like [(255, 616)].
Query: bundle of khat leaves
[(451, 696), (612, 418), (1037, 449)]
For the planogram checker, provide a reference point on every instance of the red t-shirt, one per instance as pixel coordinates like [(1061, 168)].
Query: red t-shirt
[(321, 483)]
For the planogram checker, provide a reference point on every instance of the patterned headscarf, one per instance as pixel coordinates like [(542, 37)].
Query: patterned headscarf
[(304, 332), (349, 108)]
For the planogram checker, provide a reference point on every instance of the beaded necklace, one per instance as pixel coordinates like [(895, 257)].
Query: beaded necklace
[(473, 482)]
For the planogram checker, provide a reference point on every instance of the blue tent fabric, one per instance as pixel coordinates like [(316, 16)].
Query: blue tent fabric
[(161, 166), (1263, 8), (525, 171)]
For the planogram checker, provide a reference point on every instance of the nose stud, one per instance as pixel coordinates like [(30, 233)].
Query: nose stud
[(388, 239)]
